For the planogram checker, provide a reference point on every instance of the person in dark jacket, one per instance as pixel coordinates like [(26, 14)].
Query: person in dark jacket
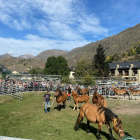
[(69, 93), (47, 98)]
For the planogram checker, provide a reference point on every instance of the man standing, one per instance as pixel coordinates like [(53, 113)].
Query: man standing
[(46, 98)]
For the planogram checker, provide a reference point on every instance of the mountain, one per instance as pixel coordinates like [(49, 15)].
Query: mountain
[(48, 53), (119, 43), (25, 56), (21, 65), (5, 55)]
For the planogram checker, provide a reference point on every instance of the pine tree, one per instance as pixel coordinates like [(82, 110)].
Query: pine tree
[(100, 63)]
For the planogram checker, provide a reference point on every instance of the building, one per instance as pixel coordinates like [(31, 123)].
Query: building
[(72, 73), (130, 71)]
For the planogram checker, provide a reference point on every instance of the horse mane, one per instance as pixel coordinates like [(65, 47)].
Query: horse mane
[(60, 93), (109, 115)]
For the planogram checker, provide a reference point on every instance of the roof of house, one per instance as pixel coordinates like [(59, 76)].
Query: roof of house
[(124, 65)]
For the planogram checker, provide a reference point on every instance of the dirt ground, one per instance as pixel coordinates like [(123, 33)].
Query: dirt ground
[(127, 109)]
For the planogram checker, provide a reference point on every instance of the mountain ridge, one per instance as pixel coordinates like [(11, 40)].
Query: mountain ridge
[(118, 43)]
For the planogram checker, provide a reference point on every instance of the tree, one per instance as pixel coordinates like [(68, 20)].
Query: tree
[(36, 71), (83, 68), (50, 66), (123, 55), (62, 66), (56, 66), (99, 62), (131, 52), (138, 49), (116, 57)]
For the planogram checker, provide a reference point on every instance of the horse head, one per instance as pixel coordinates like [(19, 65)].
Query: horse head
[(56, 93), (118, 127)]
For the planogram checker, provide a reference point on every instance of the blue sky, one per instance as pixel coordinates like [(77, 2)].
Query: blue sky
[(33, 26)]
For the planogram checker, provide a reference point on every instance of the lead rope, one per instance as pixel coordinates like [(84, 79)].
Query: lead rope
[(51, 104)]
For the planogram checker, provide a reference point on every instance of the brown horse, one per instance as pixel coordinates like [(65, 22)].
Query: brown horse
[(121, 92), (98, 99), (103, 103), (134, 92), (100, 115), (61, 97), (79, 99), (83, 91)]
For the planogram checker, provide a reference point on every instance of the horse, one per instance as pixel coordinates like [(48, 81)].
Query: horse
[(98, 99), (121, 92), (83, 91), (79, 99), (61, 97), (134, 92), (100, 115)]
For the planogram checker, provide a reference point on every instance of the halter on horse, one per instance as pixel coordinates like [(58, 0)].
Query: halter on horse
[(61, 97), (100, 115)]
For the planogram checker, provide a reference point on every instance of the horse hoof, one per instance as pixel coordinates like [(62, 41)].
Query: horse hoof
[(88, 131), (99, 138)]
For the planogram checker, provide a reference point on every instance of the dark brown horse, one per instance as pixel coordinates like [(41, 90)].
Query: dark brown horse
[(99, 100), (83, 91), (134, 92), (79, 99), (100, 115), (61, 97)]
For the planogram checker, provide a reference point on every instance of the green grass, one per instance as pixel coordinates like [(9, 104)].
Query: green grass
[(26, 119)]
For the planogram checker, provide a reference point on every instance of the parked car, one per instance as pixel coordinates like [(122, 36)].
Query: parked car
[(134, 84)]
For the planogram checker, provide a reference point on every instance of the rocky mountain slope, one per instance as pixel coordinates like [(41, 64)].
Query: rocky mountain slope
[(21, 65), (115, 44), (119, 43), (26, 56), (48, 53), (5, 55)]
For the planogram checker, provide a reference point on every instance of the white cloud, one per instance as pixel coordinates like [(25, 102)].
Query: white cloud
[(62, 23), (35, 45), (11, 52)]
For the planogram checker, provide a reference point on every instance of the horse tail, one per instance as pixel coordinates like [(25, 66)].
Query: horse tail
[(79, 120)]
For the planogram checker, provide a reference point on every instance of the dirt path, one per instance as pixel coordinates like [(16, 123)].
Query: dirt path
[(127, 109)]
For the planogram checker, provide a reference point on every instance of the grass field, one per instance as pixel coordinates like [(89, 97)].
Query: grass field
[(26, 119)]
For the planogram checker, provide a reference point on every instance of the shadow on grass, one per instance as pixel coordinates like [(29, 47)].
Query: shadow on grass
[(127, 134), (94, 131), (75, 107), (60, 107)]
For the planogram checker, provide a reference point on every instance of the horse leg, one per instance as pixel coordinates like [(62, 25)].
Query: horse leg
[(110, 130), (64, 104), (88, 131), (77, 106), (74, 107), (99, 130)]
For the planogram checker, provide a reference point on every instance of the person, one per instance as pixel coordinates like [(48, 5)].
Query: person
[(69, 93), (47, 98)]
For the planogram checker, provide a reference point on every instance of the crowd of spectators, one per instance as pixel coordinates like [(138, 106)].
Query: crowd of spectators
[(9, 86)]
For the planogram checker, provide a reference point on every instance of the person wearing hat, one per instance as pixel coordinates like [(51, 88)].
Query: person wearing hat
[(47, 98)]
